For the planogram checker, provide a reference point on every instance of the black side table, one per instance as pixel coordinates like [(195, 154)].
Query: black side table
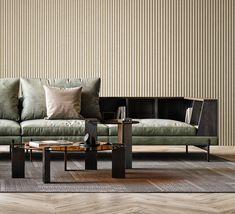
[(124, 136)]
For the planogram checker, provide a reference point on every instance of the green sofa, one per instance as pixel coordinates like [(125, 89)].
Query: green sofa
[(161, 120)]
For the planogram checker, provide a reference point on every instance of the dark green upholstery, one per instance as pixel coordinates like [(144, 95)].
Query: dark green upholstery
[(69, 138), (9, 90), (9, 128), (158, 127), (42, 127), (7, 140), (170, 140)]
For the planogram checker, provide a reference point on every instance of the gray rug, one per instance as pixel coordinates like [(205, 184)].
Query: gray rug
[(150, 173)]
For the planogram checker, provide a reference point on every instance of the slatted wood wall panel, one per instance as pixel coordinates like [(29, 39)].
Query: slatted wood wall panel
[(137, 47)]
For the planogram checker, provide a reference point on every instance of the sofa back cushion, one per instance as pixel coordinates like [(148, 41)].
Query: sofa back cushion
[(34, 101), (9, 92)]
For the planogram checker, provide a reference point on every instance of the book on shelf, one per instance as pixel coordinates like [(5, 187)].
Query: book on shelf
[(45, 143)]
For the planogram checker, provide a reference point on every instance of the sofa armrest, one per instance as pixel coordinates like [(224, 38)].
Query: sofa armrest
[(205, 116)]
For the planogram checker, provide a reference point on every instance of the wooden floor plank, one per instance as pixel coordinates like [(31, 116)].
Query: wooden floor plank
[(116, 203)]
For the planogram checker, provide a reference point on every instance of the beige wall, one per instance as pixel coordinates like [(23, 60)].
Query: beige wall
[(137, 47)]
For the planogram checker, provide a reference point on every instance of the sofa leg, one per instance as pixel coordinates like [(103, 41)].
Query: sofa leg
[(31, 155), (186, 150), (65, 159), (208, 150), (11, 145)]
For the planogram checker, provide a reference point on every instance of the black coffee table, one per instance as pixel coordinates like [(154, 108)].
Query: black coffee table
[(121, 152), (118, 158)]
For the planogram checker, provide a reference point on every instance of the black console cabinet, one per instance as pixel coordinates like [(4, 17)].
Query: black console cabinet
[(146, 107)]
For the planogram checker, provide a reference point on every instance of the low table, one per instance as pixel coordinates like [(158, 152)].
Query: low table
[(118, 158), (121, 152)]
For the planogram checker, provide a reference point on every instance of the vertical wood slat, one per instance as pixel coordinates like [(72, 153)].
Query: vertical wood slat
[(137, 47)]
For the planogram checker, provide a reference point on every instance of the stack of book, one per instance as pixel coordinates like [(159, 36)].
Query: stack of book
[(48, 143)]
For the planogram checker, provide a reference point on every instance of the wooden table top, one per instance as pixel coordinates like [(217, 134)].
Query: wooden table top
[(74, 147), (119, 121)]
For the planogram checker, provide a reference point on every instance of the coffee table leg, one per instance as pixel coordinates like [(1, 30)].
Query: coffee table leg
[(65, 159), (46, 166), (91, 160), (118, 162), (125, 137), (17, 162), (31, 155)]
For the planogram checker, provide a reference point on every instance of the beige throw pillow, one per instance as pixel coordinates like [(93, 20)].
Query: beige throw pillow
[(63, 103)]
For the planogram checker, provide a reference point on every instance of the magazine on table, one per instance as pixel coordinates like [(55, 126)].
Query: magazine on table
[(41, 144)]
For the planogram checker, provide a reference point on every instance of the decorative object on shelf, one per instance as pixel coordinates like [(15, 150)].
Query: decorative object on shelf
[(121, 113), (90, 138), (188, 115)]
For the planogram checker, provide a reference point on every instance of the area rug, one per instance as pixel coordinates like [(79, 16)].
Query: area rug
[(150, 173)]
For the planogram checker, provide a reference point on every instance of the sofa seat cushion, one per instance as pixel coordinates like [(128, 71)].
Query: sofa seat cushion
[(42, 127), (158, 127), (9, 128), (7, 140)]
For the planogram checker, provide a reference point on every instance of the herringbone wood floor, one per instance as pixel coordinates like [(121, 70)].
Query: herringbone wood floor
[(117, 203), (123, 202)]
